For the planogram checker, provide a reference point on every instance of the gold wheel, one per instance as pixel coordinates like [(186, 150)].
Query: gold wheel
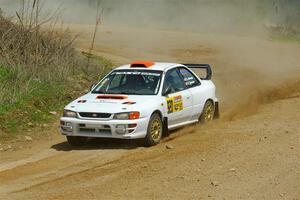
[(208, 112), (155, 129)]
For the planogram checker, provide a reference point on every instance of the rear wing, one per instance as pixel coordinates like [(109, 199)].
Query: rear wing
[(202, 66)]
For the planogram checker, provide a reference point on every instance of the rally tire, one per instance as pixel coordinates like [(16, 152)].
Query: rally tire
[(154, 130), (76, 140), (208, 112)]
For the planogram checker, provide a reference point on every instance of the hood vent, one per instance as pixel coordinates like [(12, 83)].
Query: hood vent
[(118, 97)]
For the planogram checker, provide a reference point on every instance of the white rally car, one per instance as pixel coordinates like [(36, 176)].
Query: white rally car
[(141, 100)]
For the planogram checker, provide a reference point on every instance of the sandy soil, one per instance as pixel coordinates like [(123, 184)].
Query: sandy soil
[(252, 152)]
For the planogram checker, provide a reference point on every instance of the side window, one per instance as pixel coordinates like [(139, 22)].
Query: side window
[(174, 81), (189, 79)]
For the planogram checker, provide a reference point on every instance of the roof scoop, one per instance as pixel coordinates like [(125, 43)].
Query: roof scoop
[(117, 97), (142, 64)]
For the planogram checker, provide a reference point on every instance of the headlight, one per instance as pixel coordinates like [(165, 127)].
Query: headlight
[(127, 115), (68, 113)]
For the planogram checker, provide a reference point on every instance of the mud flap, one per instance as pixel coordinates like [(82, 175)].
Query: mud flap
[(217, 112), (165, 127)]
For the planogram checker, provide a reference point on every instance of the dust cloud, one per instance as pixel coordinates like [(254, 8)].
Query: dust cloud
[(218, 16), (232, 35)]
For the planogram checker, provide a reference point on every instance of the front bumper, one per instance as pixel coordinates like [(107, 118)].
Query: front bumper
[(124, 129)]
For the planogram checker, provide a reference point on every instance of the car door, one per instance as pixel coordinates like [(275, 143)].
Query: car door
[(178, 99), (198, 92)]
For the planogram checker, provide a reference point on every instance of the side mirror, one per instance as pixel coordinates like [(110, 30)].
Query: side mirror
[(92, 86), (167, 91)]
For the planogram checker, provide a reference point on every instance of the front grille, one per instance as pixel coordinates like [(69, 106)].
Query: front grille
[(94, 131), (95, 115), (87, 130)]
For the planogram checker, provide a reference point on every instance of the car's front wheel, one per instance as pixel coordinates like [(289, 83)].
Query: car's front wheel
[(76, 140), (154, 130)]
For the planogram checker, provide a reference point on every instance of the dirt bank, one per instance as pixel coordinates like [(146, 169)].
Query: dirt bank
[(251, 153)]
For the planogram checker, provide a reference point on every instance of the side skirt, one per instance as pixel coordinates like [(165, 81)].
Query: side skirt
[(182, 124)]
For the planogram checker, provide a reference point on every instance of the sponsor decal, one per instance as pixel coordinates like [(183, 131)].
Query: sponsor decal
[(190, 83), (104, 101), (174, 104), (187, 77), (136, 73), (184, 72), (129, 103)]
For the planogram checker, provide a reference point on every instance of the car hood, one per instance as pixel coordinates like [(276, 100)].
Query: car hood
[(110, 103)]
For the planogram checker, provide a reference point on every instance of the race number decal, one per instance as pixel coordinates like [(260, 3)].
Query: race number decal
[(174, 104), (170, 103)]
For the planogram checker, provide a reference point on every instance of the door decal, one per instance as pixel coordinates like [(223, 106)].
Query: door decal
[(174, 104)]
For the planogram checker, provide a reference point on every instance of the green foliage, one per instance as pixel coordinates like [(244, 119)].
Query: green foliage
[(26, 102), (32, 107), (286, 38), (40, 71)]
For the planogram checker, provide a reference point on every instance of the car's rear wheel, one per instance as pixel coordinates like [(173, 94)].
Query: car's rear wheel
[(154, 130), (208, 112), (76, 140)]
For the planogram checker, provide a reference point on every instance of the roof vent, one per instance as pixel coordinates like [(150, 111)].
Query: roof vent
[(143, 64)]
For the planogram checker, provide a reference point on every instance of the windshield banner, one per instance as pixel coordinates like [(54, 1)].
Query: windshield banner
[(136, 73)]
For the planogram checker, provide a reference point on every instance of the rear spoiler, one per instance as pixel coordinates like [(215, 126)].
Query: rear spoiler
[(202, 66)]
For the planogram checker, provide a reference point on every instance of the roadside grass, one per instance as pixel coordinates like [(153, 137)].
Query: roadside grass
[(22, 110), (40, 70), (285, 38)]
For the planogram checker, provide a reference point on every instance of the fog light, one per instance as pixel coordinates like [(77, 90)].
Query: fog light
[(67, 129), (132, 125), (121, 129), (66, 126)]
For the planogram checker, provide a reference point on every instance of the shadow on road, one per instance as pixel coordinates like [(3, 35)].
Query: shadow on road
[(109, 143), (100, 143)]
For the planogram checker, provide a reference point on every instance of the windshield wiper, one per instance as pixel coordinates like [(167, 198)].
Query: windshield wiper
[(130, 93), (108, 92), (97, 92)]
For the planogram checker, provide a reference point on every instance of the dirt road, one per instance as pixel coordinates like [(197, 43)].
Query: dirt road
[(252, 152)]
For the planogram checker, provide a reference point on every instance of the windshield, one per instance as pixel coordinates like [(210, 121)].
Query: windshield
[(131, 82)]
